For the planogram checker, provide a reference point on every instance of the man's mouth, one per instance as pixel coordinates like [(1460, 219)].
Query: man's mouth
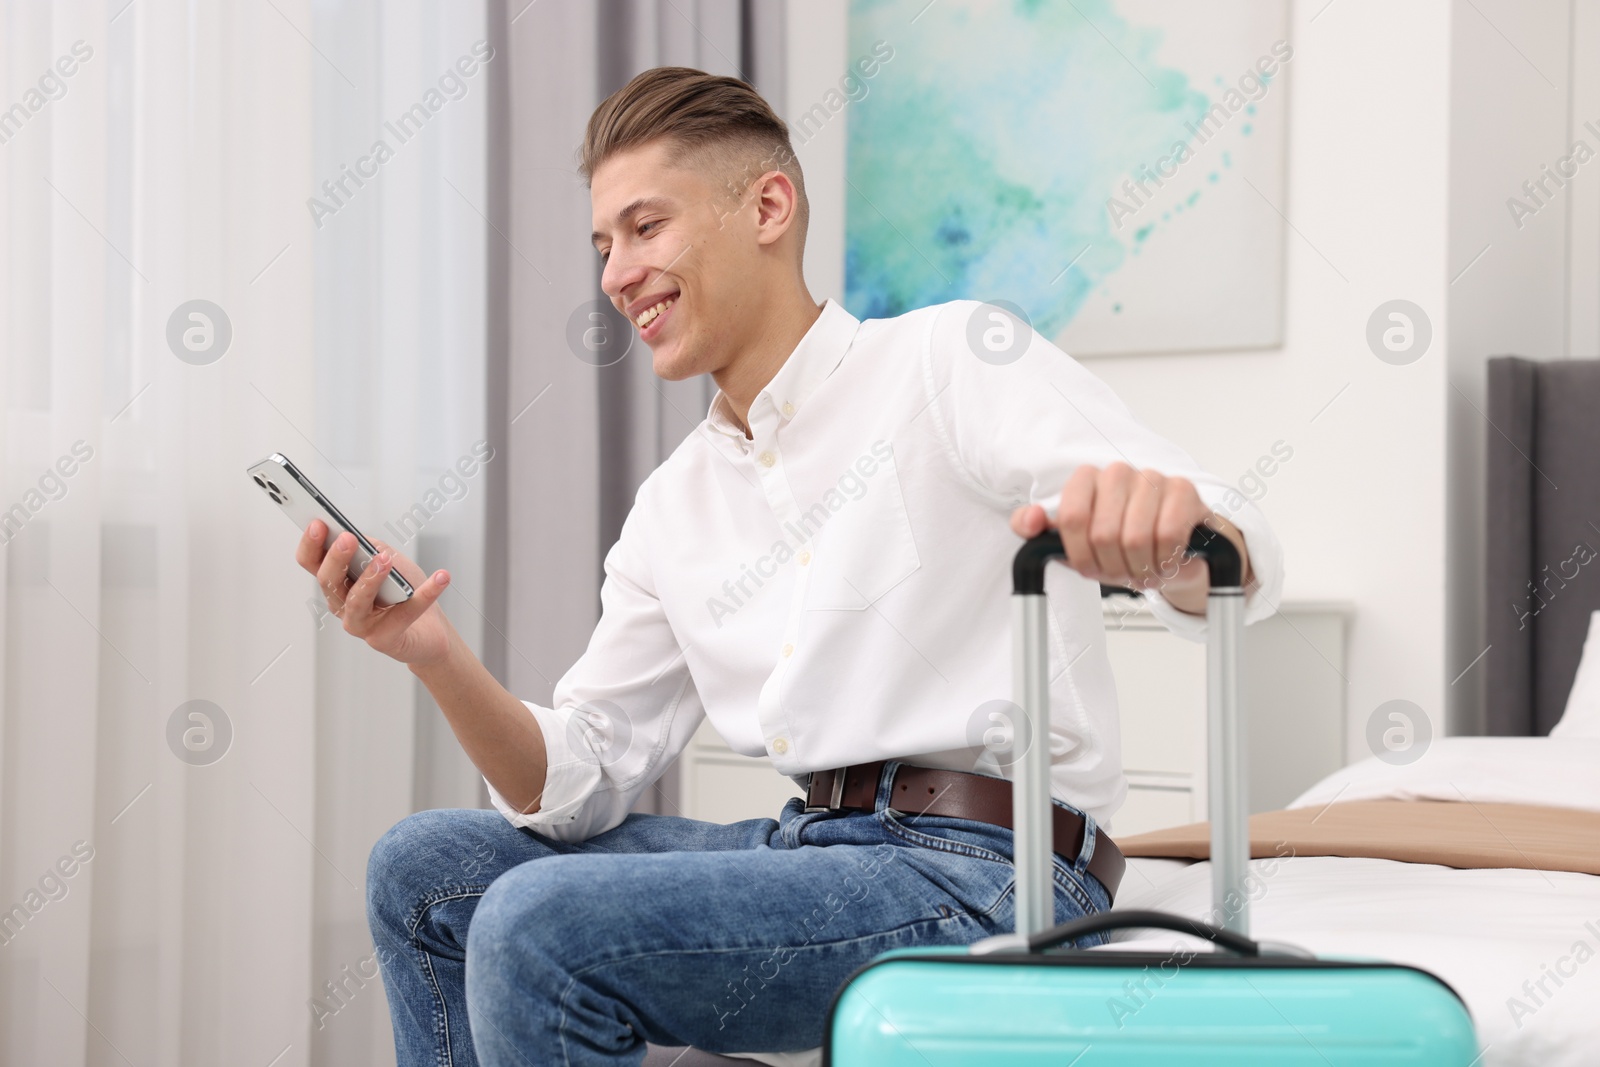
[(653, 319)]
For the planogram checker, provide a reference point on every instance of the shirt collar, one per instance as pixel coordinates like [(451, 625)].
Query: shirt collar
[(812, 360)]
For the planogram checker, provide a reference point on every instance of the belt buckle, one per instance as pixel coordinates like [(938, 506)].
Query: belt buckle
[(835, 797)]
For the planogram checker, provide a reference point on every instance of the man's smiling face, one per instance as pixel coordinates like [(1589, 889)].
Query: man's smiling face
[(678, 263)]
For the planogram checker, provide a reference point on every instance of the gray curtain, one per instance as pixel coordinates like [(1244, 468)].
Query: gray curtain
[(578, 437)]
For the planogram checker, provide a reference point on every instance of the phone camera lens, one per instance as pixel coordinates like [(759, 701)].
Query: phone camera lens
[(276, 498), (272, 485), (259, 480)]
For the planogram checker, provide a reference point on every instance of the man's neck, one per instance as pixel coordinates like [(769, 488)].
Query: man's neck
[(777, 337)]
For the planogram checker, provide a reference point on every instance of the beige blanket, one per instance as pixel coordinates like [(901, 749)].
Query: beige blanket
[(1453, 834)]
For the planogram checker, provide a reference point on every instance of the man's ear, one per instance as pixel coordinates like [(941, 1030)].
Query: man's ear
[(776, 205)]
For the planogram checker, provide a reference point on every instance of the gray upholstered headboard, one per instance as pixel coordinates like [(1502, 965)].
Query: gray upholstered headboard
[(1543, 537)]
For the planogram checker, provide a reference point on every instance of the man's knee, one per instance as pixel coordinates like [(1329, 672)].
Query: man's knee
[(520, 959), (420, 853), (556, 910), (519, 938), (528, 895)]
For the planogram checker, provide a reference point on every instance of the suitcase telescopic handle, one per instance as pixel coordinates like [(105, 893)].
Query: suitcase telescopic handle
[(1104, 921), (1027, 569), (1230, 841)]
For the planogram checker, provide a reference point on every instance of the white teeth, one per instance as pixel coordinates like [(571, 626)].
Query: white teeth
[(648, 315)]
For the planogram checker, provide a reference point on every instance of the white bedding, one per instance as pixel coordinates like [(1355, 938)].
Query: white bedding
[(1560, 773), (1484, 932), (1493, 935)]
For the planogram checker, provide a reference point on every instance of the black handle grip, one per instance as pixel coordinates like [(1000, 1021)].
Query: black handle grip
[(1103, 921), (1222, 559)]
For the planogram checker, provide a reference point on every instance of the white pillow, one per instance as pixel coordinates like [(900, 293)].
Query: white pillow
[(1557, 773), (1582, 715)]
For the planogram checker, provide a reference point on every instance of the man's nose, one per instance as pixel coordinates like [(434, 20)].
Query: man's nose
[(620, 275)]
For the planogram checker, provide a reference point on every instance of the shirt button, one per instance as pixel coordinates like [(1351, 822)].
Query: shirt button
[(788, 408), (780, 746), (788, 650), (805, 557), (767, 459)]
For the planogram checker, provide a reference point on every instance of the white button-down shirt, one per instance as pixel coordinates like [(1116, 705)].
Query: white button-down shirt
[(835, 589)]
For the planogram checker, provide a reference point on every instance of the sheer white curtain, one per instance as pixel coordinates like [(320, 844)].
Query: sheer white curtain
[(180, 890)]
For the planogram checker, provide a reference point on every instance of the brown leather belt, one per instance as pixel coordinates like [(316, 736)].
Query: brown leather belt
[(958, 795)]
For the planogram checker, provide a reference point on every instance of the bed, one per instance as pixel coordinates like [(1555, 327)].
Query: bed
[(1521, 946)]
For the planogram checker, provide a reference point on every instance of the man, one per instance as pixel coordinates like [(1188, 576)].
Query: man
[(822, 570)]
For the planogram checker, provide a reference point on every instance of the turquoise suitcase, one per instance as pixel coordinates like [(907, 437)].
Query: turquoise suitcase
[(1023, 999)]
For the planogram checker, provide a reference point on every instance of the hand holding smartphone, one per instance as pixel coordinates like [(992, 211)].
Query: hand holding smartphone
[(297, 498), (388, 603), (494, 727)]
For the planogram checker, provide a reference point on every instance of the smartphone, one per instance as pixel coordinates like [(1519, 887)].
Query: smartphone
[(302, 502)]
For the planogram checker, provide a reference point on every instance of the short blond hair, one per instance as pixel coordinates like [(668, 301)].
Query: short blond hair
[(715, 122)]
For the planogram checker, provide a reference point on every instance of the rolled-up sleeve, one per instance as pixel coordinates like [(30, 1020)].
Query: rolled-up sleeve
[(1018, 425), (622, 712)]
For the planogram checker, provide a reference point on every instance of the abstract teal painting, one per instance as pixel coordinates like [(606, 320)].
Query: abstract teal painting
[(1113, 168)]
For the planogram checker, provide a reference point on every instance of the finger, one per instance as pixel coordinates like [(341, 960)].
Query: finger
[(308, 553), (1105, 525), (424, 593), (332, 575), (1139, 525), (1029, 520), (1181, 510), (1072, 518), (358, 604), (403, 565)]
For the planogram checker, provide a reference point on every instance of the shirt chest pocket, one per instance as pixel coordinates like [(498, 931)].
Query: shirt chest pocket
[(865, 546)]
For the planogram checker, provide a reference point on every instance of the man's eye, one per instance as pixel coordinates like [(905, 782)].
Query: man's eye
[(643, 230)]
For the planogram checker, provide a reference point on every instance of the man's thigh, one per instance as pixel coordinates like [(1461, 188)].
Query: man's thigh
[(727, 951), (455, 854)]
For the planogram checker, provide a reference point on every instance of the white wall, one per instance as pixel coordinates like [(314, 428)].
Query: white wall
[(1361, 506), (816, 38)]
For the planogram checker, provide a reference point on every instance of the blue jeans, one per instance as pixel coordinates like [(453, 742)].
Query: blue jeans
[(501, 946)]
